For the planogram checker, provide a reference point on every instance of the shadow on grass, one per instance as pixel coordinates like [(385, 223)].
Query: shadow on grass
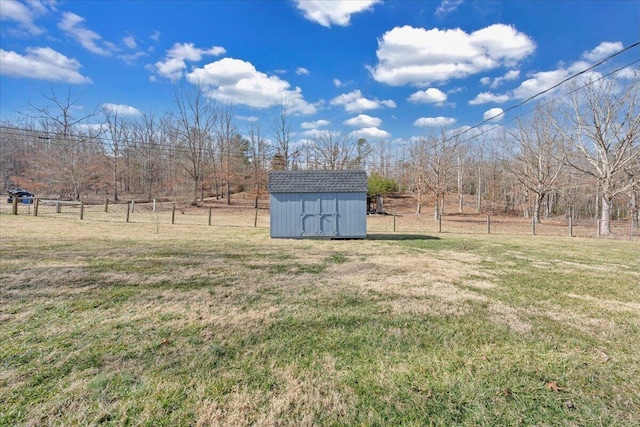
[(383, 236)]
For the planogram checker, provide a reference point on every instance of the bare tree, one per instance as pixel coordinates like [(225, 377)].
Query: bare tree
[(333, 150), (70, 154), (225, 132), (440, 159), (258, 150), (281, 128), (195, 121), (605, 119), (116, 135), (535, 156)]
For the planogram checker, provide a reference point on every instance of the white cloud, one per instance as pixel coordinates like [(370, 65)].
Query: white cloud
[(155, 36), (312, 134), (486, 97), (429, 96), (494, 83), (73, 25), (603, 50), (543, 80), (130, 58), (363, 121), (301, 71), (434, 121), (238, 82), (370, 133), (408, 55), (448, 6), (314, 125), (174, 64), (511, 75), (628, 73), (121, 109), (338, 83), (355, 102), (248, 118), (42, 63), (25, 14), (495, 114), (338, 12), (130, 42)]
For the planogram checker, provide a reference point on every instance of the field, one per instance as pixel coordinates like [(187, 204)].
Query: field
[(104, 322)]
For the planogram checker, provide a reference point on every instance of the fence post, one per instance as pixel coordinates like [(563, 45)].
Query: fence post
[(35, 207), (488, 224), (14, 206), (598, 228), (133, 205), (570, 226), (81, 210), (533, 225), (106, 205), (154, 205), (255, 219), (128, 209), (173, 214), (209, 215), (58, 207), (439, 223), (394, 222), (630, 228)]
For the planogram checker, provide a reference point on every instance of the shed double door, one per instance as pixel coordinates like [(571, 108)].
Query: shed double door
[(319, 216)]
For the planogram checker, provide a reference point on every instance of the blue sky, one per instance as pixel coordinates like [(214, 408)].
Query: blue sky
[(386, 70)]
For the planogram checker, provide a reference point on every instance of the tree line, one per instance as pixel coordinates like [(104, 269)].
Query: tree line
[(577, 155)]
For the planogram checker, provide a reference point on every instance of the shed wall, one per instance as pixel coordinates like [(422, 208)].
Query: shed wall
[(338, 215)]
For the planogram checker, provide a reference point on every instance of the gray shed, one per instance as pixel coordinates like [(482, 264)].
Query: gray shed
[(331, 204)]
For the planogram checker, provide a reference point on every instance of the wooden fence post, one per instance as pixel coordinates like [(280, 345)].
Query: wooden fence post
[(128, 209), (533, 225), (154, 205), (81, 210), (394, 222), (35, 208), (173, 214), (14, 206), (58, 207), (210, 215), (439, 223), (488, 224), (106, 205), (255, 219), (133, 205), (598, 228)]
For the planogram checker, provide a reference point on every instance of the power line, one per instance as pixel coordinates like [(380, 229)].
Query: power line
[(103, 141), (549, 89)]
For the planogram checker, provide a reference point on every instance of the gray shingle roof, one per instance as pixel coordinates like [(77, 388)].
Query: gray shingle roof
[(345, 181)]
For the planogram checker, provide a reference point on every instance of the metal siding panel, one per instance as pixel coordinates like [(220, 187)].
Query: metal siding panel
[(335, 214), (285, 215), (309, 220), (352, 217)]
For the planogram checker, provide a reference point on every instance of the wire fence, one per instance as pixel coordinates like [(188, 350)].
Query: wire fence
[(166, 213)]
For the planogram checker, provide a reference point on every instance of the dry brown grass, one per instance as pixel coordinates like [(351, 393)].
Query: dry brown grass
[(188, 324)]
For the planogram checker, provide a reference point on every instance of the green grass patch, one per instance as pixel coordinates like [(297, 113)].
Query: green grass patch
[(114, 326)]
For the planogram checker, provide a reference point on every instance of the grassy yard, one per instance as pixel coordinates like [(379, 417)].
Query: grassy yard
[(147, 324)]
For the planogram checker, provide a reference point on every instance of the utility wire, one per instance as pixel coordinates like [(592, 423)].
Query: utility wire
[(178, 149)]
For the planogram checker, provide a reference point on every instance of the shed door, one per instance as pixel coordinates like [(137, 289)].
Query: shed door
[(319, 214)]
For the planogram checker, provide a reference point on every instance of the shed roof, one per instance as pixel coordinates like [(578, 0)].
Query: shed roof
[(344, 181)]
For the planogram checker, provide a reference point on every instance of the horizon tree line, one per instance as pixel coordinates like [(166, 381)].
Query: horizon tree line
[(575, 156)]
